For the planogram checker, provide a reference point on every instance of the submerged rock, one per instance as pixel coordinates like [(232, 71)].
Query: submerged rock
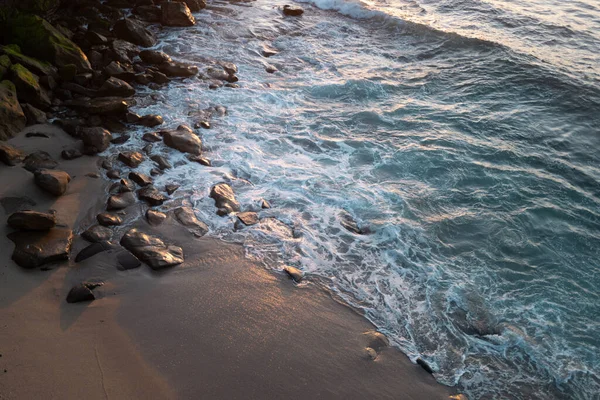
[(188, 218), (52, 181), (12, 118), (133, 31), (10, 155), (28, 220), (97, 233), (224, 198), (33, 249), (152, 250), (183, 139), (176, 14)]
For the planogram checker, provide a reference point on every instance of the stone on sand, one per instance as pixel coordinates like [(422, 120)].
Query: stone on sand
[(152, 250), (33, 249), (28, 220), (52, 181)]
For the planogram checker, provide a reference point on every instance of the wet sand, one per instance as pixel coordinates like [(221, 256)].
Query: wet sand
[(216, 327)]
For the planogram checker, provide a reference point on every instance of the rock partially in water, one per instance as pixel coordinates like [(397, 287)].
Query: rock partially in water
[(268, 51), (10, 155), (140, 179), (152, 250), (199, 159), (177, 69), (82, 292), (425, 365), (247, 218), (28, 220), (294, 273), (155, 217), (95, 140), (195, 5), (161, 161), (224, 198), (108, 219), (183, 139), (188, 218), (151, 137), (176, 14), (52, 181), (92, 250), (348, 222), (171, 188), (135, 32), (154, 57), (39, 160), (97, 233), (150, 120), (120, 201), (131, 158), (100, 105), (376, 340), (293, 11), (264, 204), (33, 249), (271, 69), (150, 195)]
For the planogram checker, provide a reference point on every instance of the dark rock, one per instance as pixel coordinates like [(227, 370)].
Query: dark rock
[(28, 87), (95, 140), (171, 188), (183, 139), (92, 250), (140, 179), (36, 66), (124, 51), (195, 5), (232, 85), (95, 38), (159, 78), (53, 182), (215, 85), (39, 160), (82, 292), (127, 260), (143, 79), (188, 218), (199, 160), (155, 217), (28, 220), (67, 72), (161, 161), (10, 155), (151, 137), (97, 233), (150, 120), (270, 69), (154, 57), (70, 154), (33, 115), (248, 218), (132, 117), (152, 250), (120, 201), (150, 195), (376, 340), (113, 174), (133, 31), (93, 175), (78, 89), (293, 11), (148, 148), (125, 185), (37, 134), (83, 79), (148, 13), (177, 69), (264, 204), (224, 198), (424, 365), (294, 273), (107, 219), (12, 118), (116, 87), (155, 172), (121, 139), (33, 249), (131, 158), (176, 14), (204, 124), (100, 105), (107, 164)]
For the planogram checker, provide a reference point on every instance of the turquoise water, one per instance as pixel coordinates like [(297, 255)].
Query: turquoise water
[(463, 135)]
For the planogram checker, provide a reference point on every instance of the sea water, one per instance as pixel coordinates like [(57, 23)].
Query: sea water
[(462, 136)]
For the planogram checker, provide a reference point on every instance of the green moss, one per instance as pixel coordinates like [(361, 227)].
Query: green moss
[(8, 85), (24, 75), (4, 65)]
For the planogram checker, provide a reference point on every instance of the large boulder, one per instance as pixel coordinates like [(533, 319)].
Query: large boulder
[(28, 87), (10, 155), (28, 220), (95, 140), (152, 250), (116, 87), (12, 118), (52, 181), (135, 32), (183, 139), (176, 14), (36, 37), (225, 200), (33, 249)]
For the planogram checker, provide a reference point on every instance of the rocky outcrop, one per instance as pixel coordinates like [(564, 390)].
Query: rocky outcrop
[(176, 14), (28, 87), (152, 250), (187, 217), (12, 118), (225, 200), (95, 140), (52, 181), (133, 31), (33, 249), (183, 139), (10, 155), (40, 68), (28, 220)]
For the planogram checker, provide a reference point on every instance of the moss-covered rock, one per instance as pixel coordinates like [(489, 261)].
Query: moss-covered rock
[(12, 119), (4, 65), (28, 87), (35, 36), (36, 66)]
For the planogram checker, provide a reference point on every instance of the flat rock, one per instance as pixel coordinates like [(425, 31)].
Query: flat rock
[(140, 179), (10, 155), (28, 220), (187, 217), (52, 181), (294, 273), (152, 250), (248, 218), (224, 198), (150, 195), (131, 158), (176, 14), (134, 31), (120, 201), (183, 139), (33, 249), (107, 219), (39, 160), (97, 233), (155, 217), (95, 140)]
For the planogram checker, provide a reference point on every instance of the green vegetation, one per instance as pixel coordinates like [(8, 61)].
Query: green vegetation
[(20, 73)]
